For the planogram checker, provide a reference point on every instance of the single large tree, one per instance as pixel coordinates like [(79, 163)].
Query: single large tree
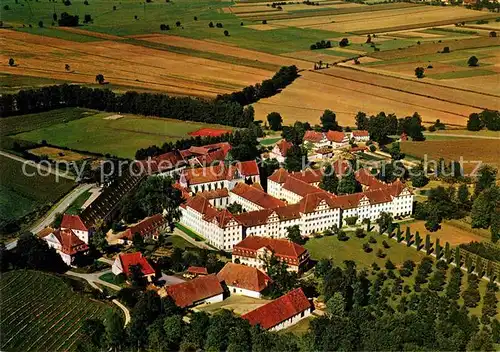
[(486, 177), (296, 158), (294, 234), (473, 61), (329, 121), (275, 120), (329, 181), (156, 195), (348, 184)]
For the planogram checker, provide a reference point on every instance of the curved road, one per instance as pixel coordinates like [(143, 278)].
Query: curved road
[(59, 208)]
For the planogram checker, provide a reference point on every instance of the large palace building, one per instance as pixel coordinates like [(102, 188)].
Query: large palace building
[(292, 199)]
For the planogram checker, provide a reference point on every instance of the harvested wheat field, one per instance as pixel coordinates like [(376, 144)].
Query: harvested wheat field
[(485, 150), (224, 49), (123, 64), (313, 92), (416, 17), (447, 233), (90, 33), (427, 88)]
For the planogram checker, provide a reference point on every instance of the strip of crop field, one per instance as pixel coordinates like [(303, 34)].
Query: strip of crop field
[(330, 12)]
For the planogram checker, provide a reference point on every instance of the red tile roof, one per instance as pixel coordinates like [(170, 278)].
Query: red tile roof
[(73, 222), (282, 248), (283, 146), (364, 177), (335, 136), (360, 133), (311, 201), (190, 292), (128, 259), (203, 206), (198, 270), (70, 243), (279, 310), (248, 168), (299, 187), (279, 176), (309, 175), (254, 218), (257, 196), (313, 136), (146, 227), (243, 276), (213, 194)]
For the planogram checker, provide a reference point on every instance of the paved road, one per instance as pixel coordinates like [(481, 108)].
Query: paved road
[(52, 170), (93, 278), (59, 208)]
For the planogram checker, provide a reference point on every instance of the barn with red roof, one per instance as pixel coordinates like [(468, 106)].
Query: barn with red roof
[(124, 261), (203, 289), (281, 313), (243, 280)]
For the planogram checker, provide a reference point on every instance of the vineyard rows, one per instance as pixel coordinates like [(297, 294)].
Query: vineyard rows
[(40, 312)]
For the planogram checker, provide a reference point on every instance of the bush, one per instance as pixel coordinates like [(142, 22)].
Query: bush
[(342, 236), (473, 61), (351, 220), (372, 239), (344, 42), (446, 50), (367, 248), (385, 244), (389, 265), (380, 253), (360, 233), (373, 148), (264, 21), (226, 33)]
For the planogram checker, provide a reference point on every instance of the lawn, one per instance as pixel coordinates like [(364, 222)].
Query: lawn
[(76, 207), (236, 303), (121, 137), (301, 327), (42, 312), (112, 279), (269, 141), (189, 232), (178, 241), (18, 193), (338, 251)]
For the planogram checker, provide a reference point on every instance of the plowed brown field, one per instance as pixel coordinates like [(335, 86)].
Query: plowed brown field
[(123, 64)]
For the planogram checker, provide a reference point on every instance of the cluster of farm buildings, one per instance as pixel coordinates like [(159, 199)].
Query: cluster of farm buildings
[(209, 185)]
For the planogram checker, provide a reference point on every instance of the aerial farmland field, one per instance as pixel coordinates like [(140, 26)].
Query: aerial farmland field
[(114, 134), (18, 197), (41, 311)]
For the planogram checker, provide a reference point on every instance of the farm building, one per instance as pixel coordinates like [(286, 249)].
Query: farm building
[(253, 250), (66, 243), (243, 280), (281, 313), (124, 260), (197, 271), (77, 226), (279, 150), (334, 139), (203, 289), (149, 228)]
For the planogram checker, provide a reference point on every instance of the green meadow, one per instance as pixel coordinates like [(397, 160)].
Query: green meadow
[(121, 136)]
